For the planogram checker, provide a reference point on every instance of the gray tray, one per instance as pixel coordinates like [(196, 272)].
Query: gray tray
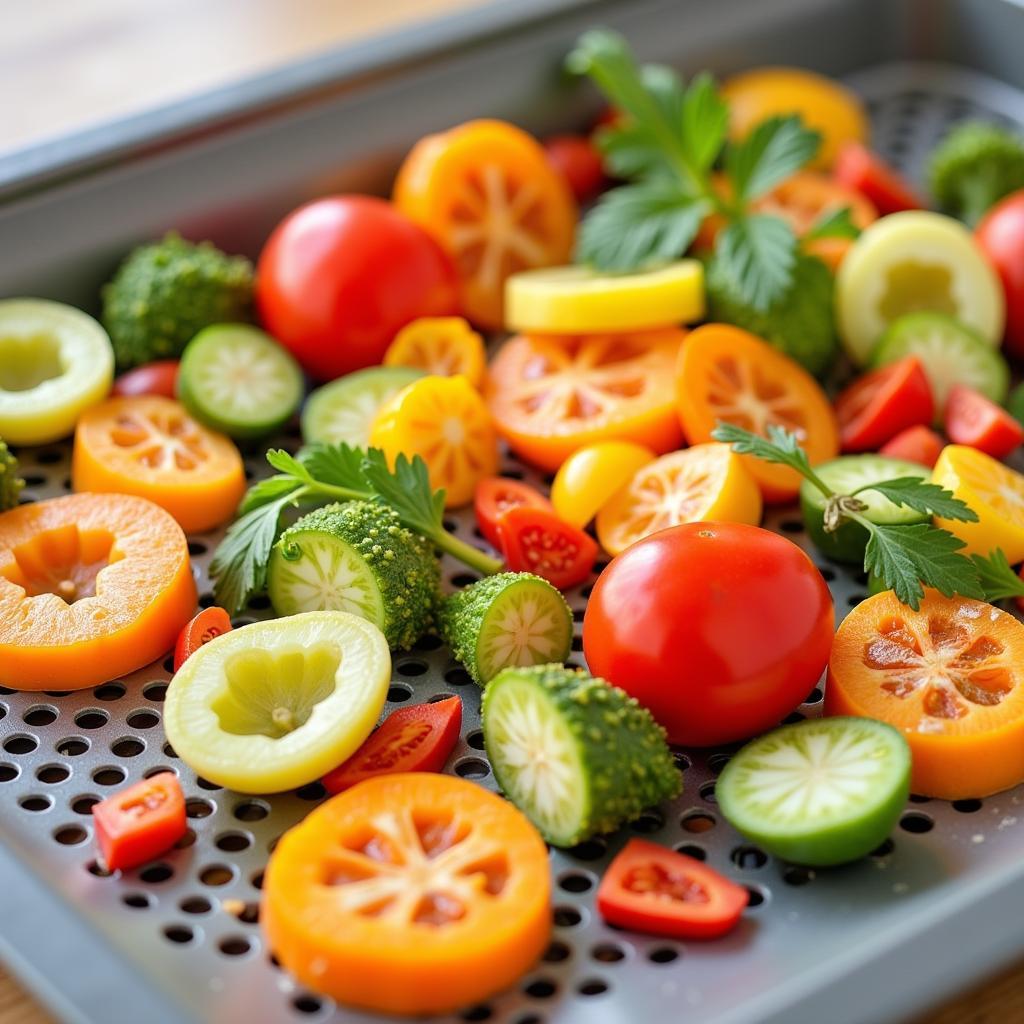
[(177, 941)]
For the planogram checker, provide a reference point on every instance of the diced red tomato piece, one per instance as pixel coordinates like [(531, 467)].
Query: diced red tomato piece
[(859, 168), (210, 622), (140, 822), (412, 739), (535, 540), (158, 378), (915, 444), (656, 891), (974, 420), (495, 495), (877, 406), (577, 159)]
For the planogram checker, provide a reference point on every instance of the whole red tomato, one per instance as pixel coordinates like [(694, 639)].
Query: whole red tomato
[(579, 162), (339, 277), (719, 629), (1001, 236), (158, 378)]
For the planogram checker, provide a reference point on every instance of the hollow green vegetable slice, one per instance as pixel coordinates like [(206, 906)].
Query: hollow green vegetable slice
[(509, 619), (820, 792), (344, 409), (845, 475), (950, 353), (274, 705), (238, 380), (576, 755)]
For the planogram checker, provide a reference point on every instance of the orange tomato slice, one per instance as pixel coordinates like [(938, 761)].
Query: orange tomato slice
[(552, 394), (441, 345), (92, 586), (949, 676), (487, 193), (726, 373), (149, 445), (410, 893), (444, 420)]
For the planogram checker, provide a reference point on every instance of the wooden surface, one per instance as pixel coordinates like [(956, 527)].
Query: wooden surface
[(73, 64)]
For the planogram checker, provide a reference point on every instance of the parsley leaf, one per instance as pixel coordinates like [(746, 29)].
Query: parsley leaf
[(832, 224), (923, 496), (268, 490), (998, 579), (774, 149), (406, 489), (340, 465), (757, 253), (705, 121), (779, 446)]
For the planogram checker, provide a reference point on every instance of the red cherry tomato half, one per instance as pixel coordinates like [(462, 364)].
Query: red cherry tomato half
[(1001, 237), (140, 822), (210, 622), (974, 420), (719, 629), (495, 495), (577, 159), (915, 444), (857, 167), (413, 739), (656, 891), (159, 378), (339, 277), (536, 540), (880, 404)]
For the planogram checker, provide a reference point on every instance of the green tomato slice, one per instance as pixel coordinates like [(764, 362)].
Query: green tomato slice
[(55, 361), (344, 409), (821, 792), (913, 261), (277, 704)]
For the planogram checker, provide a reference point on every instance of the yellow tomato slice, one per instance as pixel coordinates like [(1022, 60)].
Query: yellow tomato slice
[(994, 491), (445, 421), (440, 345), (589, 478), (698, 484)]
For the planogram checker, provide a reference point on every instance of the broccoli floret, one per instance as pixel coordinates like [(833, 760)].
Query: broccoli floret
[(801, 323), (10, 483), (164, 293), (973, 167)]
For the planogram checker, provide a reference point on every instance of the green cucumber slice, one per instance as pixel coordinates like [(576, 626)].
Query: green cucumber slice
[(512, 619), (238, 380), (576, 755), (344, 409), (950, 354), (357, 558), (845, 475), (820, 792)]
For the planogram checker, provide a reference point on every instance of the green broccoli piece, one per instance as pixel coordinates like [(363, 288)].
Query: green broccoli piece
[(801, 324), (10, 483), (973, 167), (164, 293)]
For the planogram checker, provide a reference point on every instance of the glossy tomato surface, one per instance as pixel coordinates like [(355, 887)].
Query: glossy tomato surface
[(340, 276), (720, 629), (1001, 236)]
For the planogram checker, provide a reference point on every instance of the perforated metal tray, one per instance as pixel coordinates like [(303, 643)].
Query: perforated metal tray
[(178, 941)]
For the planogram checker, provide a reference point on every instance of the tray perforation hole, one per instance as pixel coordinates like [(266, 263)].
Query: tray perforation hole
[(110, 691), (40, 715), (52, 774), (663, 955), (179, 934), (593, 987), (307, 1004), (73, 746), (127, 746), (692, 850), (477, 1013), (20, 743), (109, 775), (36, 803), (234, 945), (541, 988), (195, 905), (608, 953), (917, 822), (70, 835), (138, 900), (154, 874), (9, 772), (91, 718)]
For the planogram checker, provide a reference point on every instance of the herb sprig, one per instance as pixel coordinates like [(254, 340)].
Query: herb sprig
[(666, 144), (328, 473)]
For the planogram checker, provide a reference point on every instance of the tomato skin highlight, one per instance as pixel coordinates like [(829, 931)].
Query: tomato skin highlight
[(719, 629), (535, 540), (496, 495), (210, 622), (140, 822), (411, 739), (972, 420), (878, 405), (1001, 237), (656, 891), (858, 168), (340, 276), (915, 444), (577, 159), (157, 378)]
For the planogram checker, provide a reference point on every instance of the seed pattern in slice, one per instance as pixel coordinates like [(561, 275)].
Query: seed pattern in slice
[(819, 792)]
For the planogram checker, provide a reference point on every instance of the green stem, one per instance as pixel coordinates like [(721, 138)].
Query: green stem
[(466, 553), (809, 474), (341, 493)]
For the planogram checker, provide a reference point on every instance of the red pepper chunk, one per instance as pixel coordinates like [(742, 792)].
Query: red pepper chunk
[(140, 822), (413, 739)]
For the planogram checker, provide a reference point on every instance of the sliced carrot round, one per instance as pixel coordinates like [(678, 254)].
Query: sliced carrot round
[(949, 676), (552, 394), (727, 374), (410, 893), (92, 586), (149, 445)]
